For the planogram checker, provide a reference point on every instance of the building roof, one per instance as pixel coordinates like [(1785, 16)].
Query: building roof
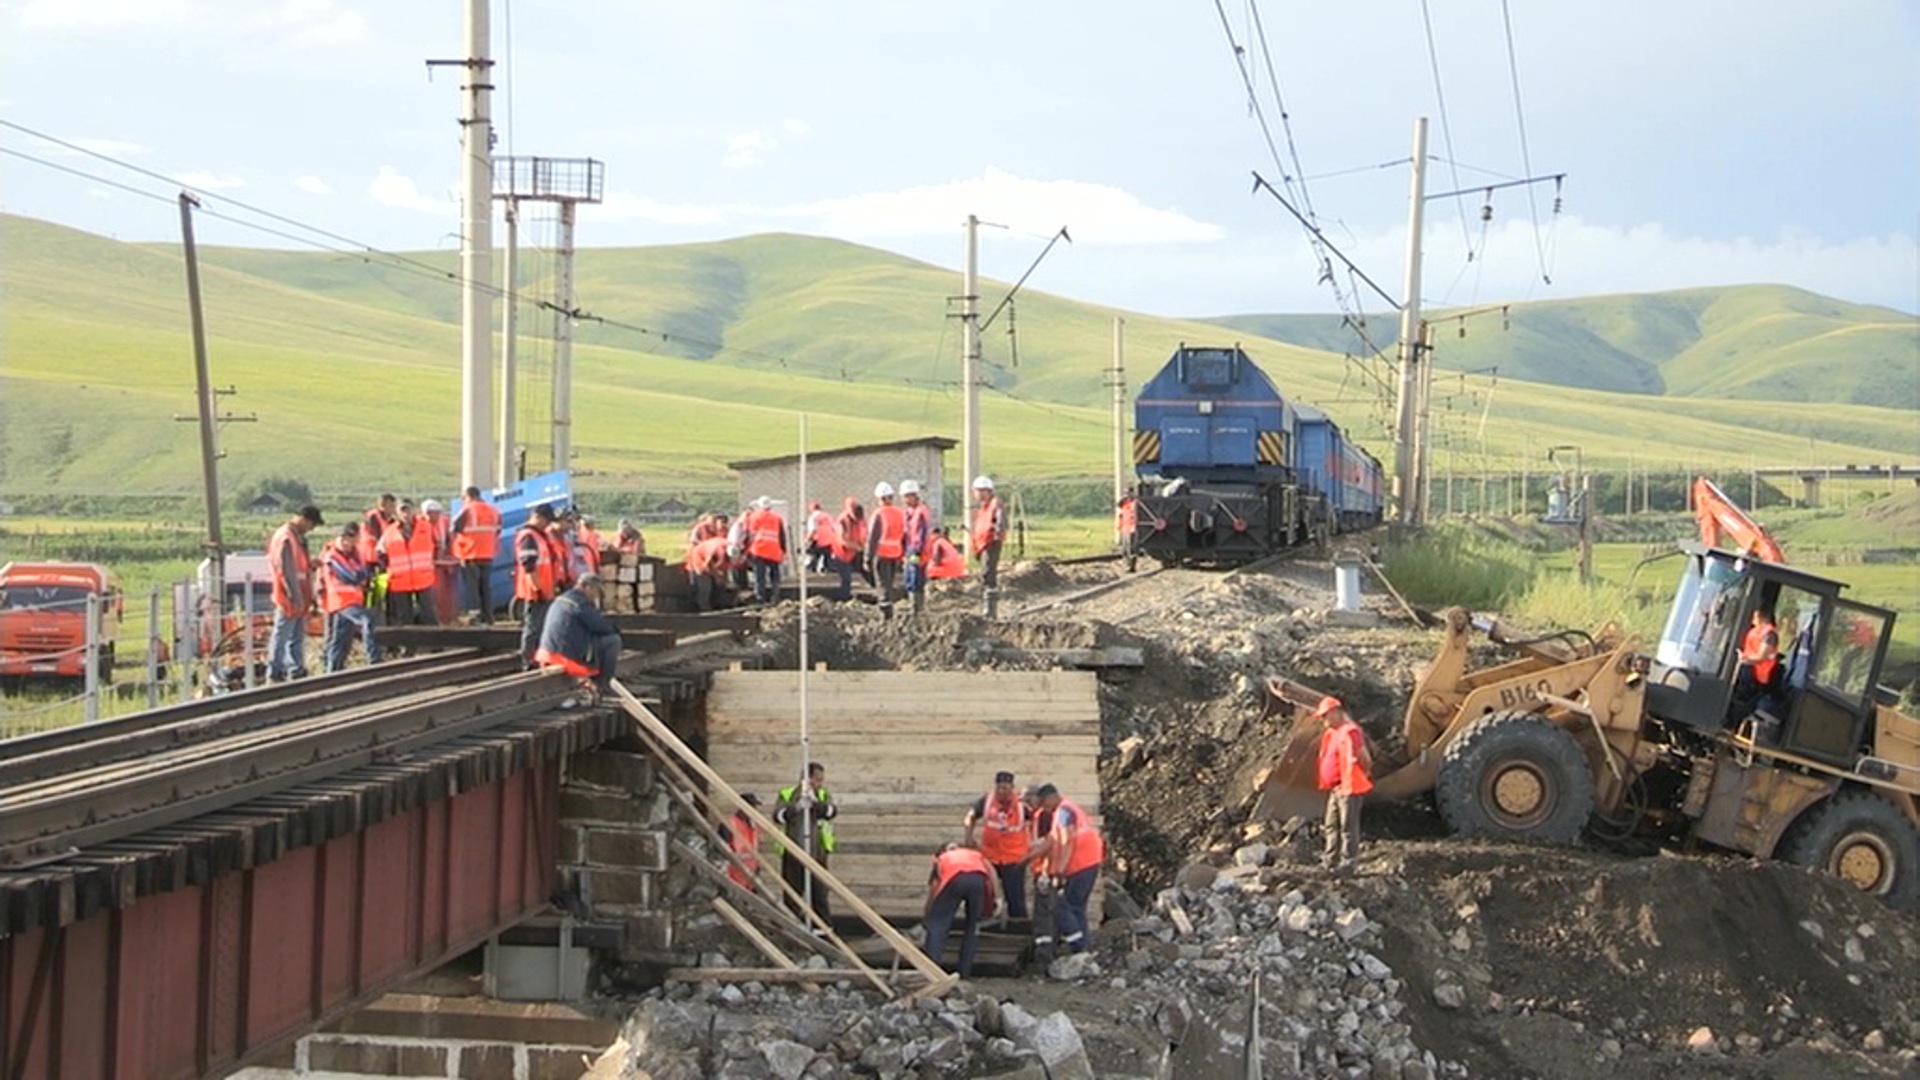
[(938, 442)]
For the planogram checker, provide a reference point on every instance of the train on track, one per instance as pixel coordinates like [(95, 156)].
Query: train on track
[(1231, 470)]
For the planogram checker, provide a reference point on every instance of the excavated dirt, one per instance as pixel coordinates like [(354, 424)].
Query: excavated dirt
[(1505, 961)]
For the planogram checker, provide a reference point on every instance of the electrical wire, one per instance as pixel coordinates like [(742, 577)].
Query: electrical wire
[(1446, 127), (1526, 158)]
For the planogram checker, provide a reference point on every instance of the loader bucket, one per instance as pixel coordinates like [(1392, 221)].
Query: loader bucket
[(1291, 785)]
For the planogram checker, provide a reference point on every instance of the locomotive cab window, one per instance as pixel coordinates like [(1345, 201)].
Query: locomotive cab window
[(1210, 369)]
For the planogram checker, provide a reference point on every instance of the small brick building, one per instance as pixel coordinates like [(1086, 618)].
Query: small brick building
[(832, 475)]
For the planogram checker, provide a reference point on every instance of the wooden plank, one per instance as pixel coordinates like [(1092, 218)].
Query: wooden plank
[(752, 934), (774, 975), (939, 980)]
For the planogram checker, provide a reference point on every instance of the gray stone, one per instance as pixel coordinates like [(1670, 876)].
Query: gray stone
[(1702, 1041), (1197, 875), (1351, 923), (1874, 1042), (1073, 967), (1172, 1018), (786, 1058), (1016, 1023), (986, 1017), (1058, 1043), (884, 1058), (731, 994), (1297, 918), (1449, 996), (1610, 1049), (1855, 951), (1133, 754), (1415, 1069), (1372, 967), (941, 1053), (1252, 855), (1027, 1070)]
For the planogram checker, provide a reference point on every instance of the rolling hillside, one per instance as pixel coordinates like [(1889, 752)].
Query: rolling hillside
[(1759, 342), (352, 368)]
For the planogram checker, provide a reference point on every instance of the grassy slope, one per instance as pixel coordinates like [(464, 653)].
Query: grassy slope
[(1752, 342), (352, 369)]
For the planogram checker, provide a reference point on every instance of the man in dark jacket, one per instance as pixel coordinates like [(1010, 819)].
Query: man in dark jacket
[(578, 638)]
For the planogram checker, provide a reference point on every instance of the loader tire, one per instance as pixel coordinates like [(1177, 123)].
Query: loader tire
[(1861, 839), (1514, 776)]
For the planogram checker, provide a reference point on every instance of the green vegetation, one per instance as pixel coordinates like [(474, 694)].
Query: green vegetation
[(352, 368)]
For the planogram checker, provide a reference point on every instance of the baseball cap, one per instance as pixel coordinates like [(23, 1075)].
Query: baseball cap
[(1003, 777), (312, 513)]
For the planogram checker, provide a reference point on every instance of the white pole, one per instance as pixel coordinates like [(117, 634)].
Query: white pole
[(1119, 419), (476, 256), (1406, 492), (92, 658), (153, 648), (509, 331), (563, 344), (970, 352), (806, 747)]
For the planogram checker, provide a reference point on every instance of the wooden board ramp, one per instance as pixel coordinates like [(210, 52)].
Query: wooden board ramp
[(906, 754)]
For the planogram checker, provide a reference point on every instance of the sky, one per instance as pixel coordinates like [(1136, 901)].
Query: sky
[(1703, 142)]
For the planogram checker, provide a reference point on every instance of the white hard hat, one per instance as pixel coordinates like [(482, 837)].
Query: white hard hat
[(909, 487), (430, 506), (762, 503), (983, 482), (883, 490)]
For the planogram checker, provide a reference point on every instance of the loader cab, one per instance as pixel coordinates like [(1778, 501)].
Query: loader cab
[(1819, 699)]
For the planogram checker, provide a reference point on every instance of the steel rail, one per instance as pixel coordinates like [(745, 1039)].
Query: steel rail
[(156, 731), (226, 772)]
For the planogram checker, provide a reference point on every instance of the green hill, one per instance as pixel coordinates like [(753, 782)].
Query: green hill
[(1766, 342), (351, 366)]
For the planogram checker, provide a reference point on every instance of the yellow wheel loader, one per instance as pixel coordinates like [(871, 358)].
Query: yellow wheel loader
[(1803, 759)]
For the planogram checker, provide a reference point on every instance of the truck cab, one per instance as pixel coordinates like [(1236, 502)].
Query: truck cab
[(43, 619), (1820, 698)]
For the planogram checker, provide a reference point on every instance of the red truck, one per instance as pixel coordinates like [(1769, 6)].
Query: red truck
[(43, 619)]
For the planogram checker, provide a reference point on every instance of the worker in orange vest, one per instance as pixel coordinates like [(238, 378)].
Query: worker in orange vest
[(886, 544), (628, 540), (944, 560), (852, 523), (821, 535), (1759, 654), (292, 569), (343, 597), (998, 825), (985, 537), (406, 554), (707, 565), (1039, 858), (444, 597), (373, 526), (537, 573), (960, 875), (590, 541), (742, 838), (1345, 775), (766, 549), (476, 541), (1126, 522), (916, 536), (1075, 853)]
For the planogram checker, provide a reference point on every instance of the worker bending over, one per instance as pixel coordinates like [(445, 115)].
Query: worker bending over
[(960, 876), (1074, 858)]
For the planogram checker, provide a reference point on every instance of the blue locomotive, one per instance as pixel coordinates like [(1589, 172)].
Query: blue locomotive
[(1232, 470)]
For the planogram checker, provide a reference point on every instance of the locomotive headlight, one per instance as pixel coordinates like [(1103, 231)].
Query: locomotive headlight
[(1206, 408)]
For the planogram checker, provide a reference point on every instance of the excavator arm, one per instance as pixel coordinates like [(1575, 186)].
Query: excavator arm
[(1722, 524)]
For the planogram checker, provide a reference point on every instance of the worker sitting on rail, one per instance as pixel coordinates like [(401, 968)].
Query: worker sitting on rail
[(578, 639), (960, 875)]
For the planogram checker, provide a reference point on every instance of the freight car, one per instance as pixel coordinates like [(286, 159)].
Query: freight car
[(1232, 470)]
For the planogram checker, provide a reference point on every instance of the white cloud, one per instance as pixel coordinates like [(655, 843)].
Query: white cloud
[(89, 16), (392, 188), (747, 148), (311, 185), (799, 129), (1093, 213), (618, 206), (208, 180), (319, 23), (108, 147)]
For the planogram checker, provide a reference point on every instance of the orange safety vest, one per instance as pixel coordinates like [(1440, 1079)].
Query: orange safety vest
[(283, 598), (1088, 849), (1753, 646), (917, 524), (763, 536), (890, 527), (1039, 824), (708, 557), (944, 560), (593, 543), (372, 528), (985, 533), (1004, 836), (853, 534), (476, 535), (539, 585), (1340, 768), (409, 557), (338, 593), (821, 531), (961, 860), (1129, 515), (744, 840)]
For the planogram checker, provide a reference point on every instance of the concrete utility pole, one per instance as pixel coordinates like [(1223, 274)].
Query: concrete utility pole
[(503, 475), (1119, 381), (563, 343), (1406, 489), (476, 255), (970, 352), (203, 378)]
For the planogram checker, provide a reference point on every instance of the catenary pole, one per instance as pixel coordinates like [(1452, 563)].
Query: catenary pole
[(509, 332), (203, 377), (563, 344), (1407, 496), (476, 254), (1119, 416), (970, 352)]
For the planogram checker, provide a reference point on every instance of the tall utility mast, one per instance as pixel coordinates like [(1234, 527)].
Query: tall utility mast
[(970, 352), (476, 254), (1117, 379), (1406, 454), (568, 182)]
